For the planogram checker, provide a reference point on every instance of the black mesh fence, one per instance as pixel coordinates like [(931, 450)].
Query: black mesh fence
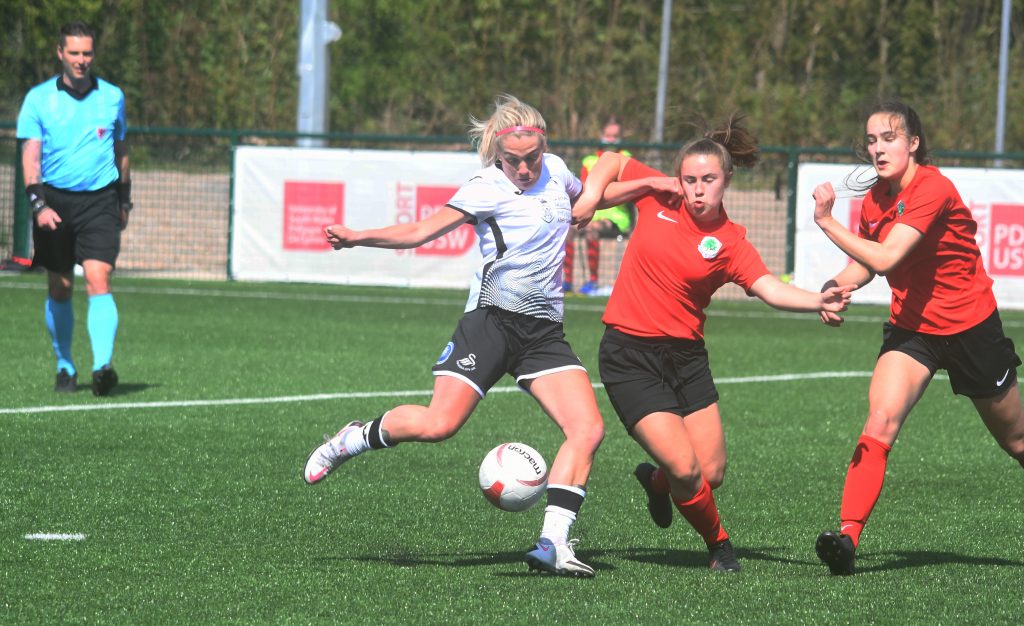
[(181, 225)]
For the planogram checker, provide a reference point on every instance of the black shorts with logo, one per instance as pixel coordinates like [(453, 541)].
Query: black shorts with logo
[(90, 229), (981, 361), (490, 342), (644, 375)]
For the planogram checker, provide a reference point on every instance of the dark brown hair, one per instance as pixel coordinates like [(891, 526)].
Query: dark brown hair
[(75, 29), (732, 143), (903, 116)]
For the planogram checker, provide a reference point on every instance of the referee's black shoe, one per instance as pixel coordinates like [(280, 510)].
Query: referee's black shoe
[(66, 383), (103, 380), (836, 551), (659, 505)]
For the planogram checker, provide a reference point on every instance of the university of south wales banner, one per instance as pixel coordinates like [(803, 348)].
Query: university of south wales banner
[(283, 197)]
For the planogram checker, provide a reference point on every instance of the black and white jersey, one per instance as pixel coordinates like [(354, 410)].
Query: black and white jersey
[(522, 238)]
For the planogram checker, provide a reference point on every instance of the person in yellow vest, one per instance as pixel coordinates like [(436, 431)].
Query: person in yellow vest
[(607, 223)]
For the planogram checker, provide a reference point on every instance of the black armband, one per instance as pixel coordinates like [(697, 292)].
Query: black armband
[(124, 194), (36, 197)]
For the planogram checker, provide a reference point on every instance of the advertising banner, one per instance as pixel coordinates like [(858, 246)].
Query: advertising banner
[(284, 197), (995, 198)]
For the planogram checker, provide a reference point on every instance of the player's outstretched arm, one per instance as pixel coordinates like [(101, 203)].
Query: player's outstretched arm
[(399, 236), (786, 297)]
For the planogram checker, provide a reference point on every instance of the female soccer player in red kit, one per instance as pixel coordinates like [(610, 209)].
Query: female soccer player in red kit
[(653, 362), (916, 231)]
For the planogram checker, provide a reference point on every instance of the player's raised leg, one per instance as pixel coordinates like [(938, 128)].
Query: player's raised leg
[(451, 405)]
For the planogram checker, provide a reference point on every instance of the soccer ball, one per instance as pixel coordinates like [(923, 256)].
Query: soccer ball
[(513, 476)]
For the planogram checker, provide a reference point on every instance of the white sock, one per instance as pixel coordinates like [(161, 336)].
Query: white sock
[(354, 442), (557, 522)]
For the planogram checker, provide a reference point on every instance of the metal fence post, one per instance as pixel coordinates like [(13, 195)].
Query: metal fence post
[(236, 140), (792, 161), (20, 239)]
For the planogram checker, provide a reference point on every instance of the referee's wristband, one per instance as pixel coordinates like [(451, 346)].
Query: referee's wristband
[(36, 197), (124, 194)]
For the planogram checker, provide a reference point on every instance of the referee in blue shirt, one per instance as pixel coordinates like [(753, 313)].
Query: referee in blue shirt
[(77, 179)]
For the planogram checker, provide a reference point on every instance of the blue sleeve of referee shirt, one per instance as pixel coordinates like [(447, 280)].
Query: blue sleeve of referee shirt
[(29, 124)]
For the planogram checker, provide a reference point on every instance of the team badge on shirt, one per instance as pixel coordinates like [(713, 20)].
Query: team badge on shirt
[(709, 247), (899, 208), (100, 132)]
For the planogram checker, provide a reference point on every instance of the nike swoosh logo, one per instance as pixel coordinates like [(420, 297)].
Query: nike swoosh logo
[(999, 383), (661, 215), (842, 529), (315, 477)]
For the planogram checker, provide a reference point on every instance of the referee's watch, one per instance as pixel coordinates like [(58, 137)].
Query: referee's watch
[(36, 198)]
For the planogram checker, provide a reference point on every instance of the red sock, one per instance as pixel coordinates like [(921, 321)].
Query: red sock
[(702, 514), (570, 252), (593, 255), (863, 484)]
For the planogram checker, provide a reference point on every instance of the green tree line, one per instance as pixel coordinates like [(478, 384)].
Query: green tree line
[(801, 69)]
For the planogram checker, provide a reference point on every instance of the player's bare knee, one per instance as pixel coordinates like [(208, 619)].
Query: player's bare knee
[(438, 429), (684, 474), (882, 425), (1014, 447), (585, 434), (715, 476)]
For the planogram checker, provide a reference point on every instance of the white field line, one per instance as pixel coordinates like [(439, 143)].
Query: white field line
[(55, 537), (367, 394)]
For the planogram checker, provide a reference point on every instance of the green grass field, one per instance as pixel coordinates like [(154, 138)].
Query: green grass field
[(186, 481)]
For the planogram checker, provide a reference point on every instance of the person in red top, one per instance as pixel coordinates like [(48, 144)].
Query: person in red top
[(916, 231), (652, 359)]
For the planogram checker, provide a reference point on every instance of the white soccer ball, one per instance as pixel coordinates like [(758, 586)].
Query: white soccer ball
[(513, 476)]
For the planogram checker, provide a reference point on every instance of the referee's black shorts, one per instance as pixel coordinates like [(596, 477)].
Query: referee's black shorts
[(651, 375), (981, 361), (90, 229)]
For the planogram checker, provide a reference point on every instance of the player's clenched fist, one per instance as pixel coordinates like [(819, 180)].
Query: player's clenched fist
[(338, 236)]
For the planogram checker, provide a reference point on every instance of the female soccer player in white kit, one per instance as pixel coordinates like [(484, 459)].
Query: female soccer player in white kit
[(520, 205)]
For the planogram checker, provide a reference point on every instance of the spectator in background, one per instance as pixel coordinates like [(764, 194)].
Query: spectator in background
[(917, 232), (75, 164), (608, 223), (520, 205)]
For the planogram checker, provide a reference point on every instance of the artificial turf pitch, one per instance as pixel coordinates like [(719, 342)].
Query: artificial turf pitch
[(179, 497)]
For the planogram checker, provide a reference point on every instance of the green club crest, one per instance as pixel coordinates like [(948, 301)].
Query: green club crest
[(899, 208), (709, 247)]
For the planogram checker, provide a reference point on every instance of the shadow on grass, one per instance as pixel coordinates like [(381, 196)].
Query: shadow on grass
[(697, 559), (481, 559), (598, 559), (901, 559)]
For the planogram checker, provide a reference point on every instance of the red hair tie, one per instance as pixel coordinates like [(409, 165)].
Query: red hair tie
[(519, 129)]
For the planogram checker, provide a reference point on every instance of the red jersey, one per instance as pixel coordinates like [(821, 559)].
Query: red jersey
[(673, 265), (941, 287)]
